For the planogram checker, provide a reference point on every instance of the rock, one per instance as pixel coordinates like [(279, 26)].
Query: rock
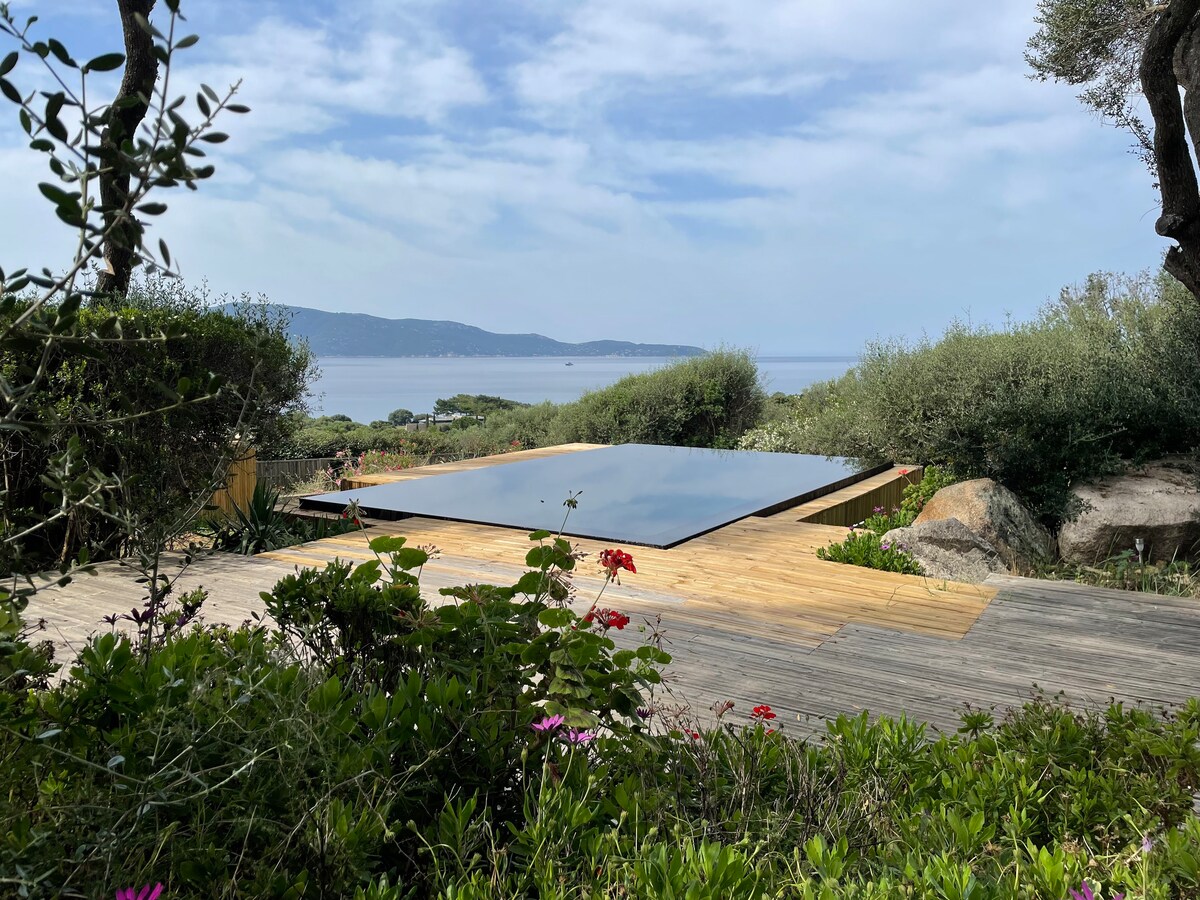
[(994, 513), (948, 549), (1158, 502)]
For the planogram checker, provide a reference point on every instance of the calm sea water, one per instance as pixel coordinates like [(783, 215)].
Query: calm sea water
[(368, 388)]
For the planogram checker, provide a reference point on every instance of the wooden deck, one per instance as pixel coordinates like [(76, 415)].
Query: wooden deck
[(751, 615)]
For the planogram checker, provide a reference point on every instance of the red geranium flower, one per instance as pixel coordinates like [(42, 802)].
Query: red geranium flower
[(609, 618), (614, 619), (762, 713), (615, 560)]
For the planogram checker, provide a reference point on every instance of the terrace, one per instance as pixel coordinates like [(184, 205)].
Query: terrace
[(745, 607)]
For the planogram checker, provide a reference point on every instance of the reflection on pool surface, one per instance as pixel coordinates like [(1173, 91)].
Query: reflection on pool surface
[(630, 493)]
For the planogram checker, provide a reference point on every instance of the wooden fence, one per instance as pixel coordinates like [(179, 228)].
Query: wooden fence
[(282, 473), (856, 503), (239, 484)]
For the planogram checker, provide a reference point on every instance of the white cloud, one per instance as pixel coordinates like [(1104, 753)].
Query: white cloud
[(883, 167), (307, 79)]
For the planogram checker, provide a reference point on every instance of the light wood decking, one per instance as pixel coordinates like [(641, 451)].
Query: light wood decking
[(750, 614)]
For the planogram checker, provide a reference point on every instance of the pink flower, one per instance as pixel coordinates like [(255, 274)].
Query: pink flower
[(1085, 893), (146, 893), (550, 723), (576, 737)]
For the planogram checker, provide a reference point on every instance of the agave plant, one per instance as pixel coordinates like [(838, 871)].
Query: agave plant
[(260, 527)]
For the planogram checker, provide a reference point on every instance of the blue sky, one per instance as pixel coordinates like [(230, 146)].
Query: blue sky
[(792, 176)]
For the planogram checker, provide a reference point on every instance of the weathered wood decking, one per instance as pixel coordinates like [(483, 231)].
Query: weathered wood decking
[(751, 615)]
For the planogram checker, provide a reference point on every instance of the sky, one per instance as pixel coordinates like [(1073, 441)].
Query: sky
[(787, 176)]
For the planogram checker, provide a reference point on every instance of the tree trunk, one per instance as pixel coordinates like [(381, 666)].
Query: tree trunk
[(137, 86)]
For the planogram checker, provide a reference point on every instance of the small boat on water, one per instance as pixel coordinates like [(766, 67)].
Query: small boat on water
[(569, 363)]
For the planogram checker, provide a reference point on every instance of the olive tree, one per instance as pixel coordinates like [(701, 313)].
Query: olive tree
[(1123, 54), (105, 159)]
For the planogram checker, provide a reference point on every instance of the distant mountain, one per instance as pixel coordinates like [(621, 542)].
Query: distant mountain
[(356, 334)]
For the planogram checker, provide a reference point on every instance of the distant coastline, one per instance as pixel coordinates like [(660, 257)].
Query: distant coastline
[(357, 335)]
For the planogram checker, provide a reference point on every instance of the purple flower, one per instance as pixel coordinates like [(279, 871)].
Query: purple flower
[(576, 737), (885, 546), (146, 893), (550, 723), (644, 713), (877, 510), (1087, 893), (1147, 844)]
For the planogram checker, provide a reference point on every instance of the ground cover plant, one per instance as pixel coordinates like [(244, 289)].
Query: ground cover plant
[(505, 745), (1126, 572)]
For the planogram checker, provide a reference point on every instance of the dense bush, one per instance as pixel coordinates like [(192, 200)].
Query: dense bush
[(378, 747), (704, 401), (139, 410), (1107, 373)]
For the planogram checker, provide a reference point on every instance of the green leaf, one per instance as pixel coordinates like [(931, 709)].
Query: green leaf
[(556, 618), (237, 108), (535, 654), (184, 42), (539, 535), (106, 62), (49, 733), (7, 89), (166, 254), (54, 193), (622, 658), (61, 53), (410, 558), (153, 209), (539, 557), (530, 583), (387, 544), (9, 63), (215, 137)]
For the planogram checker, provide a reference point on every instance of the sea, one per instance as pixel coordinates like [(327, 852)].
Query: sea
[(368, 388)]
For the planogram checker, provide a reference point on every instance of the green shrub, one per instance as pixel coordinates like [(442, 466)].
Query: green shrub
[(1106, 374), (334, 753), (867, 548), (120, 412), (379, 747), (933, 479), (704, 401)]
